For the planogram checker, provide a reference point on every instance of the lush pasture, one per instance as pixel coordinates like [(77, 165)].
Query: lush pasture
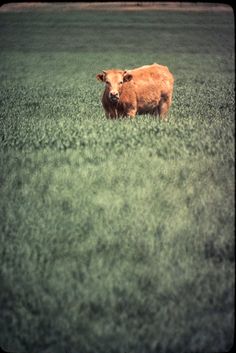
[(116, 236)]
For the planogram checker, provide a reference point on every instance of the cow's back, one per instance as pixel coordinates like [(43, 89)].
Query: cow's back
[(152, 72)]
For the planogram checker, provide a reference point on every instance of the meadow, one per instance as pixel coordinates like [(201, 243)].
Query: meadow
[(117, 236)]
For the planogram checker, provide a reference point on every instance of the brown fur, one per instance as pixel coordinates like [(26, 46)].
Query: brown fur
[(147, 89)]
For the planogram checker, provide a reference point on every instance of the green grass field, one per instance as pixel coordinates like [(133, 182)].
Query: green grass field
[(116, 236)]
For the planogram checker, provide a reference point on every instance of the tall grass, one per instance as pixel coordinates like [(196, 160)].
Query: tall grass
[(116, 236)]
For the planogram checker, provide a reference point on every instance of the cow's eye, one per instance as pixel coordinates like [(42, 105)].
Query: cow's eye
[(120, 82), (108, 82)]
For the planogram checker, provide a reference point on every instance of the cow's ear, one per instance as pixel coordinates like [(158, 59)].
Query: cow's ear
[(100, 77), (127, 77)]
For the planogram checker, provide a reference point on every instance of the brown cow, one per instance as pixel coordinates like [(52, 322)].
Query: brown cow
[(147, 89)]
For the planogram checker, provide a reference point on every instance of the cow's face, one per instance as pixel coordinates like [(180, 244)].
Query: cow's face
[(114, 80)]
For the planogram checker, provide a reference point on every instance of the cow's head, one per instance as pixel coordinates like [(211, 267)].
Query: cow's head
[(114, 80)]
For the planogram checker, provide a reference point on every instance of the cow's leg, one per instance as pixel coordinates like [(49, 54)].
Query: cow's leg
[(131, 112), (164, 106), (111, 114)]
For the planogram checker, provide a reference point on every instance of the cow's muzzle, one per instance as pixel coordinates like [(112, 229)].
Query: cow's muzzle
[(114, 97)]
